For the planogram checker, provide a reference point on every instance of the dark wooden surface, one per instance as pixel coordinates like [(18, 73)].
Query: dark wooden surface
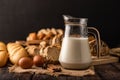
[(103, 72)]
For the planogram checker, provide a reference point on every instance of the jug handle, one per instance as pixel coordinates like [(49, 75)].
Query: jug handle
[(97, 36)]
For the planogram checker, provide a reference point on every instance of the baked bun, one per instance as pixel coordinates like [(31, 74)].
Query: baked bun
[(16, 51)]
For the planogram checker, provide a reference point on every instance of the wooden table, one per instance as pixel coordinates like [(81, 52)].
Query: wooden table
[(103, 72)]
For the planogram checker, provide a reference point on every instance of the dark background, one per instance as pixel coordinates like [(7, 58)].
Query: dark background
[(20, 17)]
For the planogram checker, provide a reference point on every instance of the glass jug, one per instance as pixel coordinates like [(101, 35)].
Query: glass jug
[(75, 51)]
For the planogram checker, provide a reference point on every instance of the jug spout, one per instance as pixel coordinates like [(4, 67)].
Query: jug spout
[(66, 17)]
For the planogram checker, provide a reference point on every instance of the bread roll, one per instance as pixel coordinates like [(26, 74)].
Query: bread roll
[(32, 36), (16, 51), (2, 46), (3, 54)]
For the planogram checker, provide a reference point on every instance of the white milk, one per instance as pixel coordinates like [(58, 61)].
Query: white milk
[(75, 53)]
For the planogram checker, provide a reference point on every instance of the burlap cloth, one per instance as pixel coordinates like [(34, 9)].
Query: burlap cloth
[(49, 70)]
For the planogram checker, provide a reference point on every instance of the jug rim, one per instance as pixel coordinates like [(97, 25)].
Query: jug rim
[(70, 17)]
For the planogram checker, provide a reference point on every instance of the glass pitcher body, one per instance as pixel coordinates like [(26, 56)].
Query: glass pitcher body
[(75, 51)]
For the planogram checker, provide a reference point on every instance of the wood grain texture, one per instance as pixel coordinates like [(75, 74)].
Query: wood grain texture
[(103, 72)]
